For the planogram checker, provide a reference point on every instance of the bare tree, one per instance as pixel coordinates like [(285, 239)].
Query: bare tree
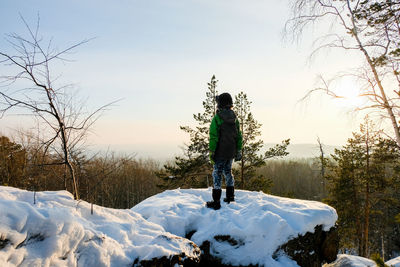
[(31, 86), (322, 159), (369, 27)]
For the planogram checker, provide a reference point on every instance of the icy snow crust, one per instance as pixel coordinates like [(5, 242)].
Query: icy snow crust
[(394, 262), (59, 231), (259, 222), (357, 261), (352, 261)]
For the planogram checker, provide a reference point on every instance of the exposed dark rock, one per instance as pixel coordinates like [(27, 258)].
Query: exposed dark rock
[(190, 234), (207, 259), (169, 261), (309, 250), (32, 238), (227, 238), (312, 249), (98, 239), (181, 259), (3, 242), (330, 246)]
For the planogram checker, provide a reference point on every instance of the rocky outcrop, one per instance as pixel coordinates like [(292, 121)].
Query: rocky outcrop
[(256, 230), (3, 242), (183, 259), (309, 250), (312, 249), (173, 228), (207, 259)]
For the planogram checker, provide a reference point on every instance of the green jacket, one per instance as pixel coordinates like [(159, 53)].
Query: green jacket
[(215, 132)]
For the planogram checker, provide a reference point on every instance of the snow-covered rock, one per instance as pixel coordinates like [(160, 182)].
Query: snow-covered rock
[(59, 231), (344, 260), (248, 231), (393, 262)]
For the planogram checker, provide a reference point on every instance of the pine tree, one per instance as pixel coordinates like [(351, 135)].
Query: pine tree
[(194, 168), (199, 136), (362, 187), (250, 129), (385, 198), (251, 159), (382, 16)]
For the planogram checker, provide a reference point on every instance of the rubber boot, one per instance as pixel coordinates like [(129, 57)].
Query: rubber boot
[(230, 194), (215, 204)]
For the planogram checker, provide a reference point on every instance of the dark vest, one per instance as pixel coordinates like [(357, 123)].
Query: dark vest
[(227, 136)]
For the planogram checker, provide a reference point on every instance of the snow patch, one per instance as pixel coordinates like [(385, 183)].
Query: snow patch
[(351, 261), (393, 262), (59, 231), (258, 223)]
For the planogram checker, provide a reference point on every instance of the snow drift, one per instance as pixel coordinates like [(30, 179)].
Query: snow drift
[(344, 260), (393, 262), (59, 231), (244, 232)]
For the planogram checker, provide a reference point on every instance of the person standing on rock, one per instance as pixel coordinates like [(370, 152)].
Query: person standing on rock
[(225, 145)]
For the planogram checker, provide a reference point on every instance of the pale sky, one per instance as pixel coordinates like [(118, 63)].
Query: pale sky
[(158, 55)]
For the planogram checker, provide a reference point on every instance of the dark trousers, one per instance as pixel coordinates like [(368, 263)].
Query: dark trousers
[(223, 167)]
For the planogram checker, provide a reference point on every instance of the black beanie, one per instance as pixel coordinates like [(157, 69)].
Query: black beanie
[(224, 100)]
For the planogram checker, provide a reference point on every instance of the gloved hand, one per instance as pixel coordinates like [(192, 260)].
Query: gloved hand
[(238, 155), (211, 157)]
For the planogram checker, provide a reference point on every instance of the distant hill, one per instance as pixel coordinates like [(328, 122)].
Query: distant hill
[(307, 150), (168, 151)]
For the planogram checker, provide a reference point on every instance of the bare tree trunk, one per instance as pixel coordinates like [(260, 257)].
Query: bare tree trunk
[(65, 178), (322, 160), (64, 140), (68, 162), (127, 195), (73, 179), (102, 194), (365, 249), (383, 247), (378, 81), (359, 235), (242, 171), (242, 161)]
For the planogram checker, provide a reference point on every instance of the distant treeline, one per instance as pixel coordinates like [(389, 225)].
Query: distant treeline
[(295, 178), (109, 180), (120, 181)]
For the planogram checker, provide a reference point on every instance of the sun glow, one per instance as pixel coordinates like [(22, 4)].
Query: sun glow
[(348, 93)]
